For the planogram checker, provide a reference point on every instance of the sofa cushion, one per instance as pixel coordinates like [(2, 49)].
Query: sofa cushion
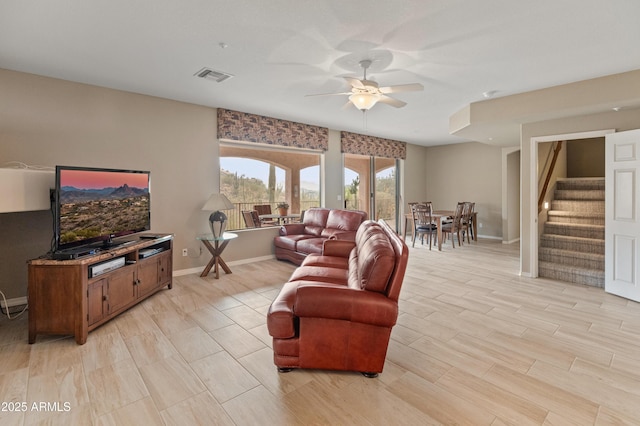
[(315, 220), (290, 242), (345, 220), (320, 274), (326, 261), (364, 231), (310, 245), (372, 265)]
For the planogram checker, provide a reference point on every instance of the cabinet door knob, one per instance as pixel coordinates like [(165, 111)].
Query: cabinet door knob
[(105, 298)]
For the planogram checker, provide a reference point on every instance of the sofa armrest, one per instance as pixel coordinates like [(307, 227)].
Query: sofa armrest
[(344, 303), (338, 248), (280, 321), (292, 229)]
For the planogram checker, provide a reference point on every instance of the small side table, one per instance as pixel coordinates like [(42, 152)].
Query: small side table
[(216, 250)]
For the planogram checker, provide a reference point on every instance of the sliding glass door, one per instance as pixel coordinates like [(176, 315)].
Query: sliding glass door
[(370, 184), (386, 193)]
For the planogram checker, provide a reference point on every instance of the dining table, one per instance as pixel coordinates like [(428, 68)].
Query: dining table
[(281, 218), (439, 216)]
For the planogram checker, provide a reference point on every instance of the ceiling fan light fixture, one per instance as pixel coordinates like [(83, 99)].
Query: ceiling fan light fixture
[(364, 101)]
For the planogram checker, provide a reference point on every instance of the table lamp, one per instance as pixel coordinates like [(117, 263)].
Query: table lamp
[(218, 220)]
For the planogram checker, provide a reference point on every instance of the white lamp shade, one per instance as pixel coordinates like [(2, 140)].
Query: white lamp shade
[(218, 202)]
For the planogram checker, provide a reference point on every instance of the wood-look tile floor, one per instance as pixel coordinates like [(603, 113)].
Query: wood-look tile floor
[(475, 344)]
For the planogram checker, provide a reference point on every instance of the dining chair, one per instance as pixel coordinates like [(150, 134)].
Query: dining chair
[(411, 204), (454, 227), (472, 208), (423, 223), (409, 218), (467, 220), (251, 220), (265, 209)]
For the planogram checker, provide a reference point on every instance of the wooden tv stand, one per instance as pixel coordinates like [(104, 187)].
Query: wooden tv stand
[(64, 297)]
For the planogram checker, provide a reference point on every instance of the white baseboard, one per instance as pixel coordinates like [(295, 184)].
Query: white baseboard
[(254, 259), (198, 269), (18, 301), (189, 271), (489, 237), (512, 241)]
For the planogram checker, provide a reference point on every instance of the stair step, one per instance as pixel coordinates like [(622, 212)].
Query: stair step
[(571, 258), (584, 245), (576, 194), (571, 274), (581, 183), (572, 246), (575, 217), (575, 230), (588, 206)]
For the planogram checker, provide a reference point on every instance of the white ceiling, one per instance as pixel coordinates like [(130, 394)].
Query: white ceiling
[(281, 50)]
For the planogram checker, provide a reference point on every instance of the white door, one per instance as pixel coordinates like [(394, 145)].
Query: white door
[(622, 224)]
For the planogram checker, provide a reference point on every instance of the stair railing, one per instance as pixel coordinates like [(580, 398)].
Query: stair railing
[(556, 147)]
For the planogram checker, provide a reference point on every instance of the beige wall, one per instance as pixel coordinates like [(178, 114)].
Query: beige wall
[(46, 122), (511, 210), (467, 172), (413, 181), (621, 121), (585, 158)]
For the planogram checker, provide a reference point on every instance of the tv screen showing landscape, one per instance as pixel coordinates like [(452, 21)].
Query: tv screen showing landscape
[(98, 204)]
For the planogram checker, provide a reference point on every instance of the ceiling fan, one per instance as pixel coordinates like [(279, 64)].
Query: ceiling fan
[(365, 93)]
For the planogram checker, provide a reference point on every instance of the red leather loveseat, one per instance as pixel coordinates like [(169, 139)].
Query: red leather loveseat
[(297, 240), (338, 308)]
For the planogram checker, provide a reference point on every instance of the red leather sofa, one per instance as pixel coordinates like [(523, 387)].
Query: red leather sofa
[(337, 310), (297, 240)]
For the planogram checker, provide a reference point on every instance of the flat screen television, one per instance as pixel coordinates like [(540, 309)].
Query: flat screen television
[(94, 205)]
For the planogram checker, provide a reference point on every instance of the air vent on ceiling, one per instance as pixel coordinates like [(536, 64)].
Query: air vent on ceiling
[(214, 75)]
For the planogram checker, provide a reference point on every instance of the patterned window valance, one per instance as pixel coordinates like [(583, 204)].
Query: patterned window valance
[(354, 143), (240, 126)]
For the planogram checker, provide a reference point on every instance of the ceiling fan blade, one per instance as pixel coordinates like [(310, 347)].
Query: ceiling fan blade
[(354, 82), (391, 101), (328, 94), (412, 87), (347, 105)]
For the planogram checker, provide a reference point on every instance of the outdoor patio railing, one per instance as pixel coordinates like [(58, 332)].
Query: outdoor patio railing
[(235, 220)]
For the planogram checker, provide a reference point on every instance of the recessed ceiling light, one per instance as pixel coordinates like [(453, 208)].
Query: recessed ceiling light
[(616, 109), (223, 45), (489, 93)]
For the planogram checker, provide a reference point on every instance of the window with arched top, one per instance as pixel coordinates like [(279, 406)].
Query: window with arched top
[(256, 177)]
